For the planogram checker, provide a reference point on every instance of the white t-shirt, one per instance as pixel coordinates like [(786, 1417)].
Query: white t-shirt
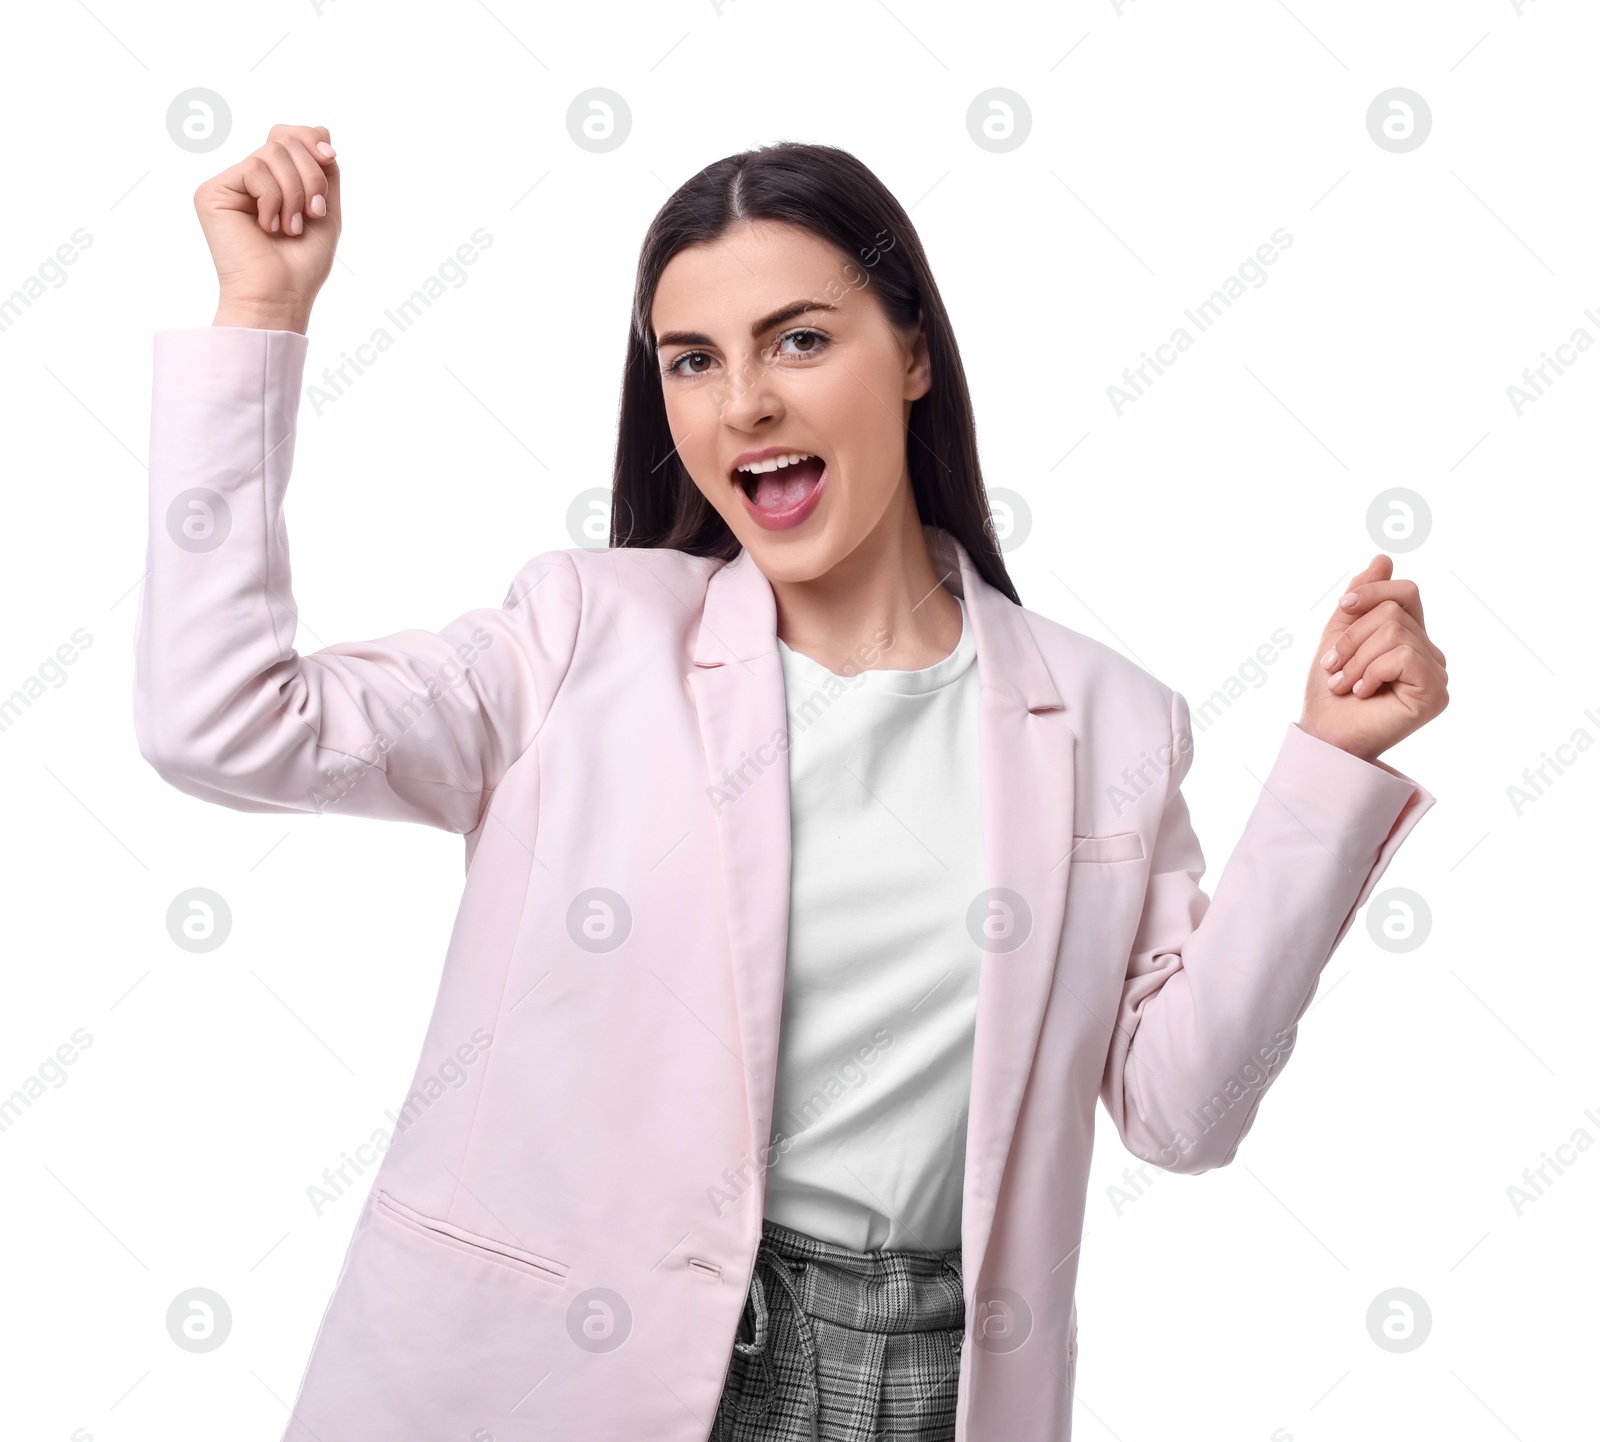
[(880, 991)]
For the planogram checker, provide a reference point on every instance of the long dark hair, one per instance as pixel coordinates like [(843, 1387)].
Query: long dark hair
[(831, 194)]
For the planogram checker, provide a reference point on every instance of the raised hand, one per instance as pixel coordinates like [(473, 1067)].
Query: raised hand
[(1378, 676), (272, 222)]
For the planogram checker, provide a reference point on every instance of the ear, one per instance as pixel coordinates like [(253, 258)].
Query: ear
[(919, 368)]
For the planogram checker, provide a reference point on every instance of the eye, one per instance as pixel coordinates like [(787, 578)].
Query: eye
[(672, 370), (819, 342), (811, 343)]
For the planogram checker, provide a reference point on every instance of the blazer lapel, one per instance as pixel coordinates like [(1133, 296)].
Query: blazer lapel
[(1027, 798), (737, 685)]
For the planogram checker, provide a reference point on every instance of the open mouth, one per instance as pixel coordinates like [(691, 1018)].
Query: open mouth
[(777, 488), (779, 493)]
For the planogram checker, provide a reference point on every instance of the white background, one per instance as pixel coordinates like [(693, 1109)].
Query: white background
[(1230, 500)]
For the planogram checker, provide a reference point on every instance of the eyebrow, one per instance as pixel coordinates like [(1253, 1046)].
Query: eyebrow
[(760, 328)]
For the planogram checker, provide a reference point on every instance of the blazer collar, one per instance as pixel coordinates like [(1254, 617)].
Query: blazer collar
[(739, 622)]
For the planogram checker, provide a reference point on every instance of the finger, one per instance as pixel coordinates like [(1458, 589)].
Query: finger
[(315, 138), (1379, 568), (330, 173), (1352, 677), (1401, 667), (275, 155), (1343, 645), (1384, 637), (1363, 595), (251, 185), (318, 153), (1348, 655), (313, 183)]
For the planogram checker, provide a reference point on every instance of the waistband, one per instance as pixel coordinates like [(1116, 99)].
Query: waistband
[(888, 1291)]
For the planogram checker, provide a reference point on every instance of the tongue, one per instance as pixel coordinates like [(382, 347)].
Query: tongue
[(784, 489)]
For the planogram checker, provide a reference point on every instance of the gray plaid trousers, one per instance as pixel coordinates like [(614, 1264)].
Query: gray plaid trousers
[(842, 1346)]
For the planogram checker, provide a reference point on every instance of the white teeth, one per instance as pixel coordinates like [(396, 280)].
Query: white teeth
[(773, 463)]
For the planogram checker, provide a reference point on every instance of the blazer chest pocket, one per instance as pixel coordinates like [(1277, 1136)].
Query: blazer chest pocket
[(1120, 846), (490, 1249)]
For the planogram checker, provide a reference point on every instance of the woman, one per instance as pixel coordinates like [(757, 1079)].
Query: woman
[(815, 888)]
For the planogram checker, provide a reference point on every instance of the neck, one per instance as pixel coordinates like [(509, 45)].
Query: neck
[(884, 606)]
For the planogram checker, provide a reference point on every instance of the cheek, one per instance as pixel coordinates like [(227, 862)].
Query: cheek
[(692, 420), (864, 429), (680, 410)]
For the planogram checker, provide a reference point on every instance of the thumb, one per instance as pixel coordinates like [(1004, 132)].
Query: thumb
[(1379, 568)]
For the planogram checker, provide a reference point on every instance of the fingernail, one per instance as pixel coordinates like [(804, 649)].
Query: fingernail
[(324, 150), (296, 224), (1333, 680), (1349, 598), (1331, 657), (318, 206), (274, 222), (1356, 689)]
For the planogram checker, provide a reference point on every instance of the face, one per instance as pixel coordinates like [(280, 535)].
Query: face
[(772, 343)]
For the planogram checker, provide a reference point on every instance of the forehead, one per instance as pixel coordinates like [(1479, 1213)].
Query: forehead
[(747, 273)]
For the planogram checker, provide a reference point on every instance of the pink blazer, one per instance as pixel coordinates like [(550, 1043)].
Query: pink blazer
[(559, 1241)]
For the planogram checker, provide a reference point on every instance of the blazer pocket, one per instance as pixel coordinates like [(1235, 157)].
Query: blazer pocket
[(1121, 846), (519, 1259)]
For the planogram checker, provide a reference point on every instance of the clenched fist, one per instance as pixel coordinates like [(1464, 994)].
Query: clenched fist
[(1377, 676), (272, 222)]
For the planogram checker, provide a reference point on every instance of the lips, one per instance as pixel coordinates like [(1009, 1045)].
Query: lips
[(783, 498)]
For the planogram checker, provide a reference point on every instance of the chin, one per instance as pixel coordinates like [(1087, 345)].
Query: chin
[(786, 556)]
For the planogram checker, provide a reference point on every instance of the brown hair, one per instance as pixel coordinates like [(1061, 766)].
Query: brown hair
[(831, 194)]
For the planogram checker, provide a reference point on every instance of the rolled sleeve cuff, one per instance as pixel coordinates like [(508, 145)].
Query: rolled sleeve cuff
[(1359, 810)]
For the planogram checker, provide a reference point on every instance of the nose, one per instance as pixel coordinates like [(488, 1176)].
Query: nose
[(748, 396)]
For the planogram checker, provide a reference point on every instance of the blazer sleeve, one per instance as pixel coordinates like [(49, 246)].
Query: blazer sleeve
[(1215, 986), (416, 726)]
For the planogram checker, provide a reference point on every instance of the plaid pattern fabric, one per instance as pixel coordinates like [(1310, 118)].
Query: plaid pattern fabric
[(843, 1346)]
